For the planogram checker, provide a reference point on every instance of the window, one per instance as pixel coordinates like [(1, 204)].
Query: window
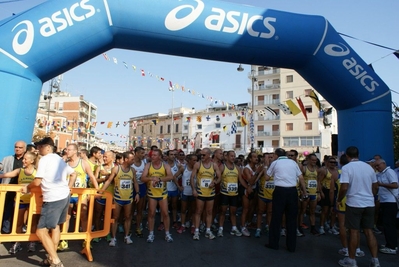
[(185, 127), (308, 109), (150, 128), (134, 131), (239, 124), (308, 126), (142, 129), (161, 129), (199, 126), (307, 92), (275, 143), (307, 141), (238, 141), (289, 94), (289, 127), (261, 128), (290, 78), (177, 128), (168, 128), (218, 125), (291, 141), (261, 100)]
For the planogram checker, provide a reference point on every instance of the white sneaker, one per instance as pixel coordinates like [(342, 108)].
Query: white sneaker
[(196, 235), (220, 233), (375, 263), (359, 253), (245, 232), (386, 250), (235, 232), (321, 230), (187, 225), (6, 227), (333, 231), (343, 252), (209, 235), (283, 232), (15, 248), (169, 238), (128, 240), (347, 262), (112, 243), (150, 238), (298, 233)]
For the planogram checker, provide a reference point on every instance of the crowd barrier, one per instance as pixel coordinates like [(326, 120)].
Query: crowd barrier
[(35, 207)]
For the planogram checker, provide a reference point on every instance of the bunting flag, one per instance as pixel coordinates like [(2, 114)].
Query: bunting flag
[(199, 118), (115, 60), (284, 108), (109, 124), (224, 128), (102, 122), (155, 122), (134, 67), (396, 53), (188, 119), (261, 112), (125, 123), (293, 108), (244, 121), (326, 120), (274, 113), (315, 99), (208, 118), (94, 124), (88, 125), (211, 136), (142, 73), (234, 127), (170, 86), (124, 63), (300, 103), (117, 124), (105, 56)]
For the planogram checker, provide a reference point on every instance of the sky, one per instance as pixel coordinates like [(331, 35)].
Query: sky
[(121, 93)]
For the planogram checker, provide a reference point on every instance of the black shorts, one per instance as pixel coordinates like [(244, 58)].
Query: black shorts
[(228, 200), (326, 201), (359, 218), (206, 198)]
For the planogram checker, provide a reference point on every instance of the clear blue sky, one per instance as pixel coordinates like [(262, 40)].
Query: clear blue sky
[(121, 93)]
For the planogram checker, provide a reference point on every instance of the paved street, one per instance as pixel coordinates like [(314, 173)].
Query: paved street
[(226, 251)]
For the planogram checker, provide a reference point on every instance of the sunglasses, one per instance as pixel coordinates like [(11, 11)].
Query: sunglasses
[(290, 155)]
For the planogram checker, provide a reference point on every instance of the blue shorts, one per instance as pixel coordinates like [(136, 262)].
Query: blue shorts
[(101, 201), (123, 202), (73, 200), (312, 197), (142, 189), (23, 206), (173, 193), (266, 200), (187, 198)]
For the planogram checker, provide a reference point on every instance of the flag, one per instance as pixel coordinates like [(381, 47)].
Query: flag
[(293, 108), (188, 119), (88, 125), (315, 99), (208, 118), (105, 56), (102, 122), (199, 118), (170, 86), (211, 136), (142, 73), (274, 113), (117, 124), (261, 112), (124, 63), (134, 67), (155, 122), (94, 124), (224, 128), (115, 60), (300, 103), (162, 79), (234, 127), (125, 123), (244, 121), (109, 124), (396, 53), (284, 108), (182, 88)]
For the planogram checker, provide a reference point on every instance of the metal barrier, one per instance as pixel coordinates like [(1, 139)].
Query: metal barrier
[(35, 207)]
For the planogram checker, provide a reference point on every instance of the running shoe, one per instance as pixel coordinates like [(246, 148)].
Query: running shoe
[(150, 238), (63, 245), (6, 226), (139, 232), (24, 228), (15, 248), (235, 232), (181, 229), (359, 253), (245, 232), (112, 243), (202, 228), (128, 240), (257, 233), (187, 224), (109, 237), (321, 231), (169, 238), (96, 239), (176, 225), (161, 227), (343, 252), (31, 247), (314, 232), (196, 235), (387, 250), (283, 232), (333, 231), (376, 230), (298, 233), (347, 262), (266, 229), (209, 235), (214, 228), (220, 233), (192, 229), (374, 263), (304, 226)]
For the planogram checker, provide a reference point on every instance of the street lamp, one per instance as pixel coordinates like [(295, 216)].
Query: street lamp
[(251, 123)]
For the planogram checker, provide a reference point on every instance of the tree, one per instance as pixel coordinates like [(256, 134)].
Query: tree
[(395, 122)]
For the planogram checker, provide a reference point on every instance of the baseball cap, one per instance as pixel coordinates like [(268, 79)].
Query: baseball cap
[(45, 141)]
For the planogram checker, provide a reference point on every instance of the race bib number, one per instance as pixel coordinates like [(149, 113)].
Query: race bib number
[(205, 183), (138, 175), (312, 184), (77, 184), (125, 184), (188, 183), (269, 185), (232, 187), (159, 185)]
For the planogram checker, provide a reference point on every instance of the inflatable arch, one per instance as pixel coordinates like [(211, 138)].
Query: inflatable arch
[(56, 36)]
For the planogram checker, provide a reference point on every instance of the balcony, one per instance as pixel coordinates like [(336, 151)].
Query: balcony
[(268, 102), (264, 87), (271, 71)]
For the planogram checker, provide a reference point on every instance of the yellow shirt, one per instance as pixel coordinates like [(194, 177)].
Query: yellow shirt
[(310, 178), (123, 184), (205, 177), (23, 178), (229, 184), (159, 191), (111, 186), (266, 188), (326, 182), (80, 181), (93, 167)]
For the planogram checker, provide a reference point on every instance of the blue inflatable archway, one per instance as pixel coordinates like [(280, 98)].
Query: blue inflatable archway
[(56, 36)]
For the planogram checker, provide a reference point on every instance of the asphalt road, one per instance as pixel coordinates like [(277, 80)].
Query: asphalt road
[(184, 251)]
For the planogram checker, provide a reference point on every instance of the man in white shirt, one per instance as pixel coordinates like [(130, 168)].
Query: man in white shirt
[(359, 185), (51, 177)]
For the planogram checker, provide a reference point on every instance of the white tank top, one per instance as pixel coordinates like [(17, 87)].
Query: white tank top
[(139, 171)]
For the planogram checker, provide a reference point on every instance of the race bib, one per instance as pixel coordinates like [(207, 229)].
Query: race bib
[(188, 183), (159, 185), (232, 187), (77, 183), (312, 184), (125, 184), (138, 175), (269, 185), (205, 183)]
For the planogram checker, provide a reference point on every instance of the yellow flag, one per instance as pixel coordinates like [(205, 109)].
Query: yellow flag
[(109, 124), (244, 121), (315, 99), (293, 108)]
